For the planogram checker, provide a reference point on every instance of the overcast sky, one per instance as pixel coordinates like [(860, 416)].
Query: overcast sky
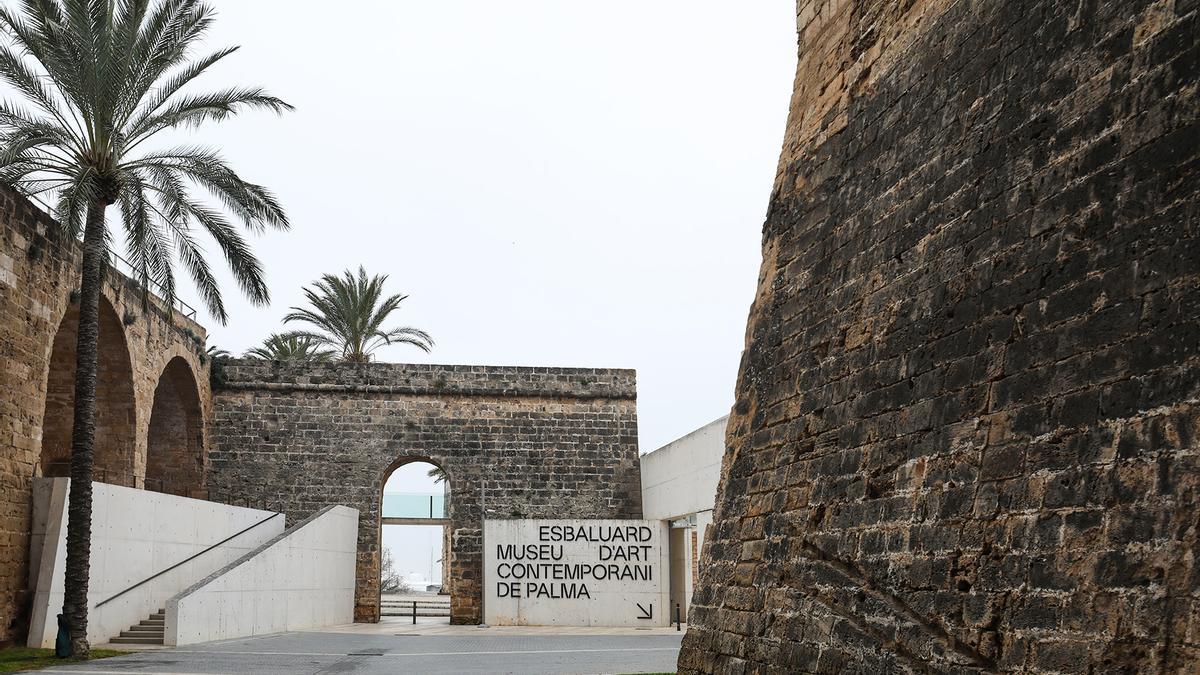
[(552, 183)]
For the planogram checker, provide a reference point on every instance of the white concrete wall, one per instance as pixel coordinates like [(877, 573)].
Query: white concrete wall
[(681, 477), (304, 578), (679, 480), (135, 534)]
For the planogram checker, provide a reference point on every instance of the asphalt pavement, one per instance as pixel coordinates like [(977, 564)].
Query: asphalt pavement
[(316, 652)]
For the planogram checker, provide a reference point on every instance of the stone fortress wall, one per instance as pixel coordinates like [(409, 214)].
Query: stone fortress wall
[(515, 443), (153, 399), (966, 430)]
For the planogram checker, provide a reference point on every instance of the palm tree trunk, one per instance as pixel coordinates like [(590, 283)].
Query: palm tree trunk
[(83, 433)]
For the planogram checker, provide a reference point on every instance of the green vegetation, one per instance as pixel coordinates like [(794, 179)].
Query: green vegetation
[(27, 658), (290, 347), (348, 313), (102, 80)]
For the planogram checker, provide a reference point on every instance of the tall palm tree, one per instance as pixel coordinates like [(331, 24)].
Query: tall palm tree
[(290, 347), (100, 79), (349, 311)]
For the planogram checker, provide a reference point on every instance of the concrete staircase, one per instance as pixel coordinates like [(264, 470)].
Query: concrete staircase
[(149, 632)]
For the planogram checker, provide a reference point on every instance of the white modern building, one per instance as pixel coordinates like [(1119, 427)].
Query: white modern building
[(679, 485)]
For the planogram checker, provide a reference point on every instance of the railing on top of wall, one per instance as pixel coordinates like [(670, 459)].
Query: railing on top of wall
[(126, 268), (414, 505)]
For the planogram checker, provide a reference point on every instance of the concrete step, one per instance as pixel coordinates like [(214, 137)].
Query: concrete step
[(147, 632), (139, 640), (419, 613), (141, 633)]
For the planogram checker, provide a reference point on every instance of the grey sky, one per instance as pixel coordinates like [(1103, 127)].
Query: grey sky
[(552, 183)]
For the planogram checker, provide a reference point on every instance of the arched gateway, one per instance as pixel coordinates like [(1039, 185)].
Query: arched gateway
[(517, 442)]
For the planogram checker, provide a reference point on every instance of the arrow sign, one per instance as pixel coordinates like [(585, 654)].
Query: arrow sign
[(646, 614)]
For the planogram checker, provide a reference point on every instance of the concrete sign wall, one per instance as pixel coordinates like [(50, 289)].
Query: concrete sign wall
[(575, 573)]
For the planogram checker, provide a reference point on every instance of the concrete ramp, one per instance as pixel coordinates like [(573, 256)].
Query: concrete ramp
[(303, 578)]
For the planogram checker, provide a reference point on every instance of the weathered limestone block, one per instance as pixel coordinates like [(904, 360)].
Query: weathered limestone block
[(967, 433)]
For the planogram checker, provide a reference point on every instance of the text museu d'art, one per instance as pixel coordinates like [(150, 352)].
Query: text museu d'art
[(541, 571)]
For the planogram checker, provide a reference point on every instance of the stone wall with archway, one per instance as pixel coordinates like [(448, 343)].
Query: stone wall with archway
[(39, 272), (515, 442)]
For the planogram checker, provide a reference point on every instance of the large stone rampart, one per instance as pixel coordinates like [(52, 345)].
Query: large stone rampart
[(966, 430)]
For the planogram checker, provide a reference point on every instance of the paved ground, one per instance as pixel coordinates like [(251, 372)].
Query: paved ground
[(463, 650)]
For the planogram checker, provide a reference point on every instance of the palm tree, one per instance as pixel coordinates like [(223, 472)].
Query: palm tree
[(349, 312), (214, 353), (290, 347), (101, 78)]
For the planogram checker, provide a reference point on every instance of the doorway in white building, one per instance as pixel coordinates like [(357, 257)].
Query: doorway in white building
[(684, 560), (414, 556)]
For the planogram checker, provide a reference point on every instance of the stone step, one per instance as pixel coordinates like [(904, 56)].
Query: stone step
[(153, 622), (147, 629)]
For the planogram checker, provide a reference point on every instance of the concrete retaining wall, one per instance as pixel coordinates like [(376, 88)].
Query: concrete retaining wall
[(304, 578), (135, 534)]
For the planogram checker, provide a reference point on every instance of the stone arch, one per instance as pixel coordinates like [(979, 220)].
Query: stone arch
[(175, 439), (375, 557), (116, 408)]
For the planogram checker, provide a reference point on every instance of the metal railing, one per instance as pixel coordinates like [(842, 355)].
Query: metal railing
[(188, 559), (126, 269), (61, 468), (414, 505)]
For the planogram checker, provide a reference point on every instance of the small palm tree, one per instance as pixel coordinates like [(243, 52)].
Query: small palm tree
[(349, 311), (214, 352), (101, 79), (216, 366), (437, 473), (290, 347)]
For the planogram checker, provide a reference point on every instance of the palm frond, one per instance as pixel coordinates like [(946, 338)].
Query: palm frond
[(290, 347), (348, 311), (99, 78)]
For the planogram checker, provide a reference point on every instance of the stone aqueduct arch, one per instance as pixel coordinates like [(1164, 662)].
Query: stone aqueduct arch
[(158, 444), (175, 457), (515, 442), (38, 273), (116, 412)]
